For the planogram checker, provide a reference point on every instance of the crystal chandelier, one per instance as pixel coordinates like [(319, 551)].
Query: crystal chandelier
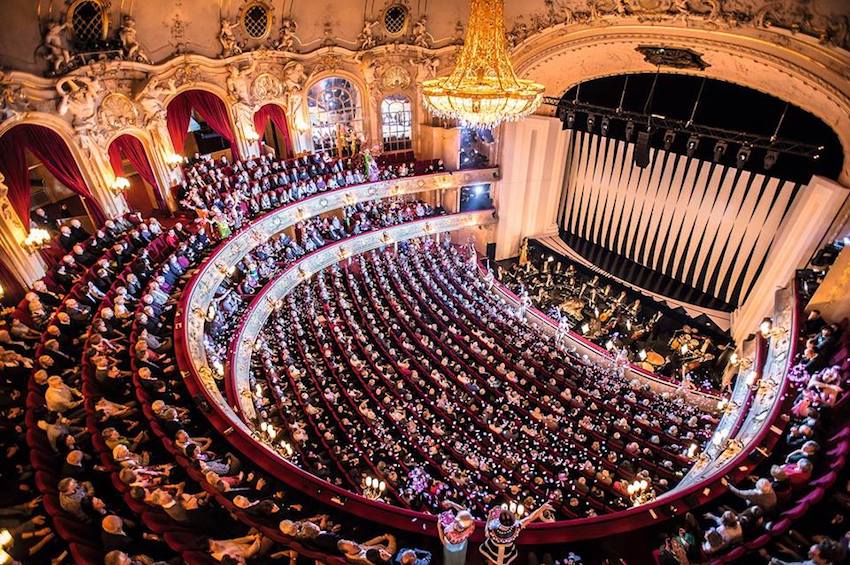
[(483, 89)]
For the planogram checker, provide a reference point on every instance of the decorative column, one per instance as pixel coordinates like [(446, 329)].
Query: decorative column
[(533, 163), (243, 130), (26, 267), (796, 240), (98, 173), (165, 166)]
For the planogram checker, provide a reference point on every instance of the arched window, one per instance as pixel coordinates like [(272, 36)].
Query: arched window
[(396, 118), (89, 23), (335, 108)]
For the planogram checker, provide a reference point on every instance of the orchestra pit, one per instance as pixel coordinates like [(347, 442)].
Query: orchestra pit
[(425, 282)]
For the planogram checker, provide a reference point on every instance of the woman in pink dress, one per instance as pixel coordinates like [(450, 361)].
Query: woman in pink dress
[(454, 530)]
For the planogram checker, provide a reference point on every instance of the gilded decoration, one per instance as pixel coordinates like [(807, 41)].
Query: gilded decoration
[(118, 112), (266, 87), (395, 77)]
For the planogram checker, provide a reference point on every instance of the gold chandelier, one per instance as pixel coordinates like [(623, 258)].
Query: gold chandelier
[(483, 89)]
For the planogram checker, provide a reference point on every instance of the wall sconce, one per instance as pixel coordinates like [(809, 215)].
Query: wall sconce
[(173, 159), (120, 184), (765, 327), (300, 124), (36, 239), (641, 492), (287, 448), (2, 292), (373, 488), (517, 510)]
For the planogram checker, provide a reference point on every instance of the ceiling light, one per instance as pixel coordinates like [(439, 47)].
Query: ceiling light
[(483, 89), (719, 150), (691, 147)]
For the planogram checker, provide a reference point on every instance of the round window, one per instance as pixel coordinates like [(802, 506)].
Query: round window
[(395, 19), (256, 21)]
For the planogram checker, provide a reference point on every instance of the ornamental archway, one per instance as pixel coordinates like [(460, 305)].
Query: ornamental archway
[(794, 68)]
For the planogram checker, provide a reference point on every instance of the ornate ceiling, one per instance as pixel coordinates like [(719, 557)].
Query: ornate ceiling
[(168, 27)]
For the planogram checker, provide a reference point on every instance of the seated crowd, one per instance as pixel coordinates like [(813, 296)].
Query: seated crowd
[(228, 194), (399, 367), (793, 478), (271, 257), (392, 369)]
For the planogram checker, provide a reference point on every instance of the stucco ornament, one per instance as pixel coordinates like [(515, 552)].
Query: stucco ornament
[(426, 67), (78, 95), (288, 39), (371, 76), (395, 77), (421, 36), (53, 47), (129, 42), (152, 100), (14, 101), (227, 37), (238, 81), (117, 111), (294, 78), (187, 74), (366, 39), (266, 87)]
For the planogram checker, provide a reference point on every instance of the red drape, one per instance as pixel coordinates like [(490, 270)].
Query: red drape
[(276, 114), (12, 289), (13, 163), (209, 107), (130, 147), (49, 148)]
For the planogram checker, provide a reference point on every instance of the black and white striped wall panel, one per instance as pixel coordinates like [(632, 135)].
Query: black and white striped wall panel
[(709, 226)]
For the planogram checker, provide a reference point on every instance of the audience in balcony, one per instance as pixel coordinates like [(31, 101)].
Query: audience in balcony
[(399, 365), (226, 194)]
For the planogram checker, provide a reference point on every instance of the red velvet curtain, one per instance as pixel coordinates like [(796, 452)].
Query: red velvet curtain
[(209, 107), (49, 148), (130, 147), (13, 164), (12, 289), (276, 114), (177, 119)]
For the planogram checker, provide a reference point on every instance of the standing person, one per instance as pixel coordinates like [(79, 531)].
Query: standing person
[(502, 530), (454, 530)]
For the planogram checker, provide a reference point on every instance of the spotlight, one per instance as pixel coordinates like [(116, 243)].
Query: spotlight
[(719, 150), (571, 119), (693, 143), (591, 121), (630, 130), (743, 156), (605, 123), (770, 159), (669, 139)]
